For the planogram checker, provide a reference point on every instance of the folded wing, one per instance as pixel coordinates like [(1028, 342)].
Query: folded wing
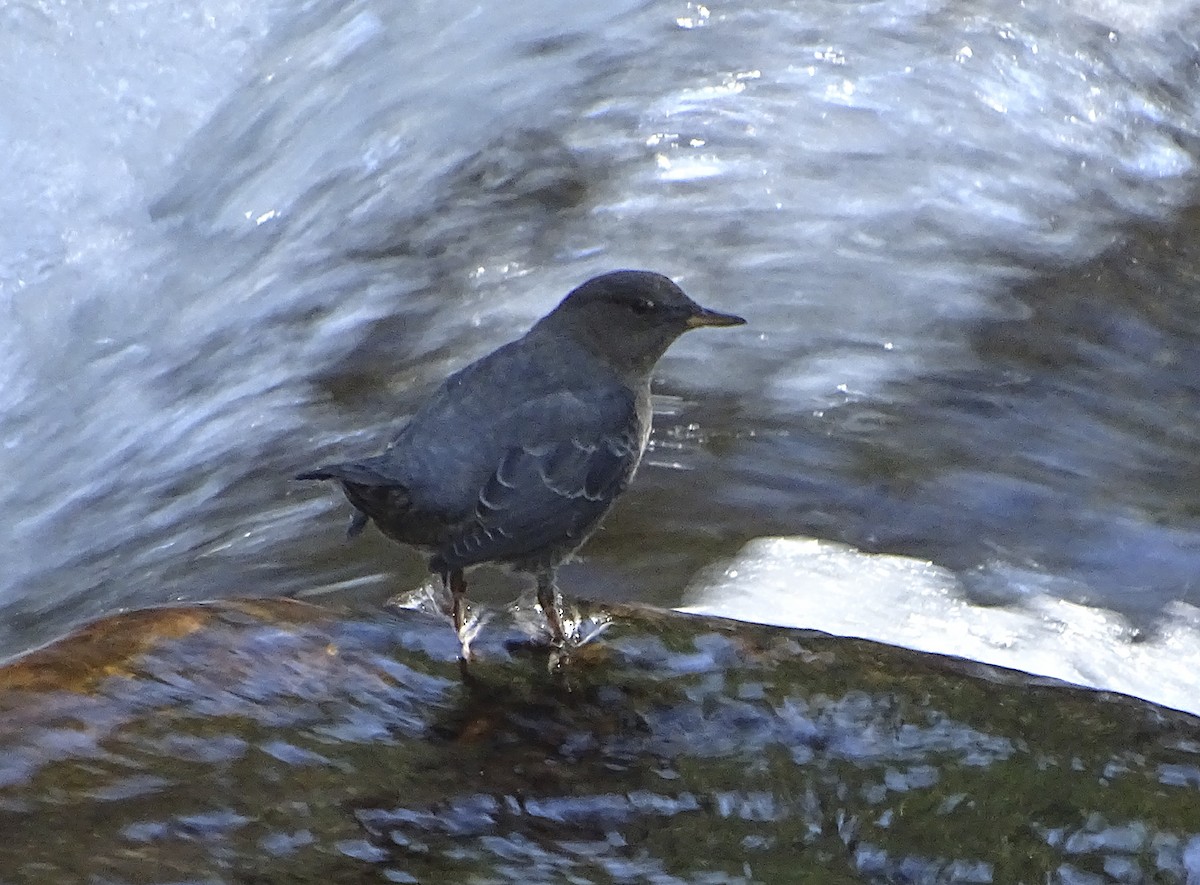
[(545, 497)]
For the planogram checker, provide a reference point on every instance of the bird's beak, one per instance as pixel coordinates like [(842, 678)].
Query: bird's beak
[(705, 317)]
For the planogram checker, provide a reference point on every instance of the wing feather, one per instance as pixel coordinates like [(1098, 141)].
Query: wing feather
[(543, 500)]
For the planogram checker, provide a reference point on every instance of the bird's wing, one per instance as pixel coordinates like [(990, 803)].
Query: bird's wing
[(548, 491)]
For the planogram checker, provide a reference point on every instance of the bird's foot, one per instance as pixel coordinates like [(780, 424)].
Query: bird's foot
[(570, 627), (471, 628), (543, 623), (580, 630), (589, 628), (556, 620), (563, 627)]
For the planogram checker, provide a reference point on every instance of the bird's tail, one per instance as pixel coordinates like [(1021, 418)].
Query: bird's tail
[(371, 491), (362, 473)]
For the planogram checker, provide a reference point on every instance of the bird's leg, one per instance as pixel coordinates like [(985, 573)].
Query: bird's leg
[(458, 597), (547, 596), (444, 601), (454, 581)]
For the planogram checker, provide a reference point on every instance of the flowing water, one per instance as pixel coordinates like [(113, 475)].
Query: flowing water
[(240, 239)]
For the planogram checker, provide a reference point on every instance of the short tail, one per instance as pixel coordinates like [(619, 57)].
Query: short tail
[(372, 492), (362, 473)]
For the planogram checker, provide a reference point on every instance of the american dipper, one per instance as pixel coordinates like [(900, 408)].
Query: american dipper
[(516, 458)]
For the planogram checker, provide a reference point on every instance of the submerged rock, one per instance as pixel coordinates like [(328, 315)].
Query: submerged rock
[(274, 741)]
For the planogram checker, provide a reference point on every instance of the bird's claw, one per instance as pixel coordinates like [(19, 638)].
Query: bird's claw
[(471, 628)]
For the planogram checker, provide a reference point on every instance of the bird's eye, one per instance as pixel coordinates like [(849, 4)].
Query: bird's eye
[(642, 306)]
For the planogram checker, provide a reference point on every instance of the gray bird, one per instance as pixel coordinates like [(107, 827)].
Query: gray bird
[(516, 458)]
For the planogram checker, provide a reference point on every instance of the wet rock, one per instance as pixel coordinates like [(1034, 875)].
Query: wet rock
[(275, 741)]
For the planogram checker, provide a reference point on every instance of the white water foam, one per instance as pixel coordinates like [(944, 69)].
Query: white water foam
[(821, 585)]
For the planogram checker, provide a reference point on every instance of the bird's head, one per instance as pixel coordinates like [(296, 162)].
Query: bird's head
[(628, 318)]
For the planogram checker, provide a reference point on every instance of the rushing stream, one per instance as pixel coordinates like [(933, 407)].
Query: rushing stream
[(242, 238)]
